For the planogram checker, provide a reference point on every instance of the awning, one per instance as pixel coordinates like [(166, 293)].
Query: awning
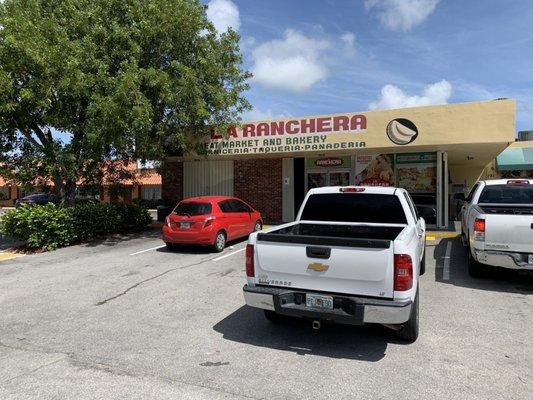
[(514, 159)]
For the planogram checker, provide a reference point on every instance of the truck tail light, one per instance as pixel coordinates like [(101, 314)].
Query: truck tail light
[(403, 272), (250, 260), (479, 229), (351, 189), (518, 182)]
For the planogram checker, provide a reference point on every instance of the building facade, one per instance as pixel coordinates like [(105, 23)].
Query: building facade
[(431, 151)]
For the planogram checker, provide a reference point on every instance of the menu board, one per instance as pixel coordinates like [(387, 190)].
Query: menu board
[(417, 172), (372, 170)]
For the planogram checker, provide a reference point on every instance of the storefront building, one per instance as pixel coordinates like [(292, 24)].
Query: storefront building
[(432, 151)]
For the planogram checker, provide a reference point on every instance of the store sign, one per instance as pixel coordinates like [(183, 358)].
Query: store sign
[(339, 132), (410, 158), (329, 162)]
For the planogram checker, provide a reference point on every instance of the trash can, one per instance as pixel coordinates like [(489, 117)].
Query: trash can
[(163, 212)]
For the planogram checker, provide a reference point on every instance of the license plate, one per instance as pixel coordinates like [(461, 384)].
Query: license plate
[(185, 225), (318, 301), (530, 259)]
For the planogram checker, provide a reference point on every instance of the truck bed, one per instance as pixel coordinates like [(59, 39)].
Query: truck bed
[(337, 235)]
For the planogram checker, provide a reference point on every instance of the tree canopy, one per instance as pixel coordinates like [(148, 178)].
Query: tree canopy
[(85, 81)]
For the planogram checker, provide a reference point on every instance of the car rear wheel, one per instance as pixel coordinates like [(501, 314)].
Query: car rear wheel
[(409, 330), (258, 226), (220, 241)]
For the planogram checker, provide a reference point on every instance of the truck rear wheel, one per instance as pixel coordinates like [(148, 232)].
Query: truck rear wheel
[(423, 262), (409, 330), (475, 269), (272, 316)]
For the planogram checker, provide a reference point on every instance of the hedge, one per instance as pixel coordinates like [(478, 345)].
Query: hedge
[(51, 226)]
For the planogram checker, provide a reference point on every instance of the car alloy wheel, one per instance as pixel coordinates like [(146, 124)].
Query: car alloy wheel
[(258, 226), (220, 241)]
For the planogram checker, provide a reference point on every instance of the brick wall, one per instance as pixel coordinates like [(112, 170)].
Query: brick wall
[(172, 182), (259, 183)]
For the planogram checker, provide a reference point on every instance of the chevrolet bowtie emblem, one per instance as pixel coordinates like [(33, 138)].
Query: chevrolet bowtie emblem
[(318, 267)]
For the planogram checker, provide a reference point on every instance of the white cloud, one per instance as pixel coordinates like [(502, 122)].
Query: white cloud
[(259, 115), (223, 14), (393, 97), (294, 63), (402, 14), (348, 39)]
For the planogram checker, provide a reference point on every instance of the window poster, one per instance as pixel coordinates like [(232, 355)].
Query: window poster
[(374, 170), (417, 172)]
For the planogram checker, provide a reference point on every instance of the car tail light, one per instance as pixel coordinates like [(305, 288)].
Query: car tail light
[(403, 272), (167, 221), (250, 260), (208, 221), (479, 229), (351, 189), (518, 182)]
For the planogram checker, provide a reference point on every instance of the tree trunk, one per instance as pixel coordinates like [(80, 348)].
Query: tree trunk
[(70, 192), (59, 187)]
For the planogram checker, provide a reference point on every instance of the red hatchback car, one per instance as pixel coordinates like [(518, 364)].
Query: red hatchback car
[(211, 221)]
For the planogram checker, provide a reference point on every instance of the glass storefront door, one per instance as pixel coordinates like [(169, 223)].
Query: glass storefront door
[(339, 178), (327, 178)]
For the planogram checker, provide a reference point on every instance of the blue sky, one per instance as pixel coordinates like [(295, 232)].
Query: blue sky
[(329, 56)]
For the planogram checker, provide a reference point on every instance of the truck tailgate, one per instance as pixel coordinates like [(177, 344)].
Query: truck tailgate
[(509, 232), (333, 266)]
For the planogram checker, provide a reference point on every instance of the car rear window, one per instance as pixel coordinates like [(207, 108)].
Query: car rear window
[(507, 194), (354, 207), (192, 208)]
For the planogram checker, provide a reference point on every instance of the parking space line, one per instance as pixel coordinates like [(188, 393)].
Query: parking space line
[(446, 271), (144, 251), (229, 254)]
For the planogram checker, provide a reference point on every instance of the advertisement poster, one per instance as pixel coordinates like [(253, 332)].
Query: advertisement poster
[(417, 172), (374, 170)]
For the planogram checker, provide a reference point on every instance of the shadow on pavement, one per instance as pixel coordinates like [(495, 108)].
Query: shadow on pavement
[(496, 279), (119, 238), (197, 249), (249, 326)]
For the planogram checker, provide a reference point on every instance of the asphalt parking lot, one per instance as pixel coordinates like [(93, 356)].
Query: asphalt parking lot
[(123, 318)]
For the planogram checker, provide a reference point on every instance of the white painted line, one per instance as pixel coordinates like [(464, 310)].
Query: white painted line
[(446, 272), (144, 251), (228, 255)]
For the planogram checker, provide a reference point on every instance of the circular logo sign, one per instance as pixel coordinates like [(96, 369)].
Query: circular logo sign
[(402, 131)]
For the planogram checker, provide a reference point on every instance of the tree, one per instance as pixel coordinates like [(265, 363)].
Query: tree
[(87, 81)]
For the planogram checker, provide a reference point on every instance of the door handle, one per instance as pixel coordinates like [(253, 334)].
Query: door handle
[(318, 252)]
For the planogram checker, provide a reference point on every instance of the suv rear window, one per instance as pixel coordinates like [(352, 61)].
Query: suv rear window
[(354, 207), (192, 208), (507, 194)]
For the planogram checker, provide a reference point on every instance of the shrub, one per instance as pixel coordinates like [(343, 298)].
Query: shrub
[(52, 226)]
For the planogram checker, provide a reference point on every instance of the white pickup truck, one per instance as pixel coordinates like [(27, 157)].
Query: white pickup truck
[(497, 225), (353, 256)]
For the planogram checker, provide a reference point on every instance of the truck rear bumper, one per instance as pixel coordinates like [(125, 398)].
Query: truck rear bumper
[(504, 259), (347, 309)]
